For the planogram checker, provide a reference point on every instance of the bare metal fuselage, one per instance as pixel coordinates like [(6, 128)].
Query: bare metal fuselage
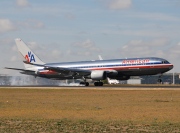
[(124, 67)]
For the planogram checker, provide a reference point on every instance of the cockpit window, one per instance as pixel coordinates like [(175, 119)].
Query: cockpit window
[(165, 62)]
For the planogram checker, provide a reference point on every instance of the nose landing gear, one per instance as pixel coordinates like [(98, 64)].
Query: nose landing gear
[(159, 81)]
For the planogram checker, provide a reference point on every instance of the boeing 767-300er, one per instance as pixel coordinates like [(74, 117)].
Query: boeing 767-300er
[(120, 69)]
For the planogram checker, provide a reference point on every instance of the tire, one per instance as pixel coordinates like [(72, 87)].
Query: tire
[(98, 83), (86, 84), (95, 83)]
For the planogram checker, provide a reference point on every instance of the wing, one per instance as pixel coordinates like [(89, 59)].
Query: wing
[(68, 72), (61, 71)]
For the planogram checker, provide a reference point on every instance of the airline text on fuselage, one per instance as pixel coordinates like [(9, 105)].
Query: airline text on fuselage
[(138, 61)]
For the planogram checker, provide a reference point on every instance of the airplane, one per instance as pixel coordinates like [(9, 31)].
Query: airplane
[(97, 70)]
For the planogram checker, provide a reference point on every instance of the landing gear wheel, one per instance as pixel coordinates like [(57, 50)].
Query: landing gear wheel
[(98, 83), (84, 83), (95, 83), (159, 81), (81, 83)]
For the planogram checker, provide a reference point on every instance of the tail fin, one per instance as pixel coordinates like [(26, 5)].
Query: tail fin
[(27, 54)]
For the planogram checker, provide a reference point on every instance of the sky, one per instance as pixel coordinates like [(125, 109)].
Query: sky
[(75, 30)]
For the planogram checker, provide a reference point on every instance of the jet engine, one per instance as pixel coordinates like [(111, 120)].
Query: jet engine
[(98, 75)]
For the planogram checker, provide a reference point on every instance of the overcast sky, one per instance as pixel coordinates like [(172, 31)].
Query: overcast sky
[(74, 30)]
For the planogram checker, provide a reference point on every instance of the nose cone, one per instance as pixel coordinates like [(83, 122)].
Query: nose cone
[(171, 67)]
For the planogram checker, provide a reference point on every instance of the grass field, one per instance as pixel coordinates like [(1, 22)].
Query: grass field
[(66, 110)]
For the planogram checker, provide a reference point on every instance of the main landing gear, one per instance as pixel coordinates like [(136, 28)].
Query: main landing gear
[(95, 83), (84, 83), (98, 83)]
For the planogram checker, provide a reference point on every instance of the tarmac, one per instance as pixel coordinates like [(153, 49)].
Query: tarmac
[(105, 87)]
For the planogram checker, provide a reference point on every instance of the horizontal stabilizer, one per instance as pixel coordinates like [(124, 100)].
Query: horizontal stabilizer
[(19, 69)]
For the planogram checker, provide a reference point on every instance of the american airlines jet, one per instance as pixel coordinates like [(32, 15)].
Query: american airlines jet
[(120, 69)]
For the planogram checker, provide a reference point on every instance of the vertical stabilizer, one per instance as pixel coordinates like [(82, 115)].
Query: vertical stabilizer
[(27, 54)]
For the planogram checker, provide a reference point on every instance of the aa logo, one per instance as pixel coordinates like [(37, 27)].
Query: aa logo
[(30, 57)]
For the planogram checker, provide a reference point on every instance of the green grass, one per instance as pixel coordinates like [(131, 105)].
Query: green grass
[(84, 126)]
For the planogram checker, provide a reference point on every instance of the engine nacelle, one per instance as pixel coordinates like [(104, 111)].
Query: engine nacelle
[(98, 75)]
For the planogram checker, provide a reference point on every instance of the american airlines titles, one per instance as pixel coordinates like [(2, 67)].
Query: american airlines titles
[(138, 61)]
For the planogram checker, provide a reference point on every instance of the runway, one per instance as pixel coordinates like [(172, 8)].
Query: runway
[(105, 87)]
